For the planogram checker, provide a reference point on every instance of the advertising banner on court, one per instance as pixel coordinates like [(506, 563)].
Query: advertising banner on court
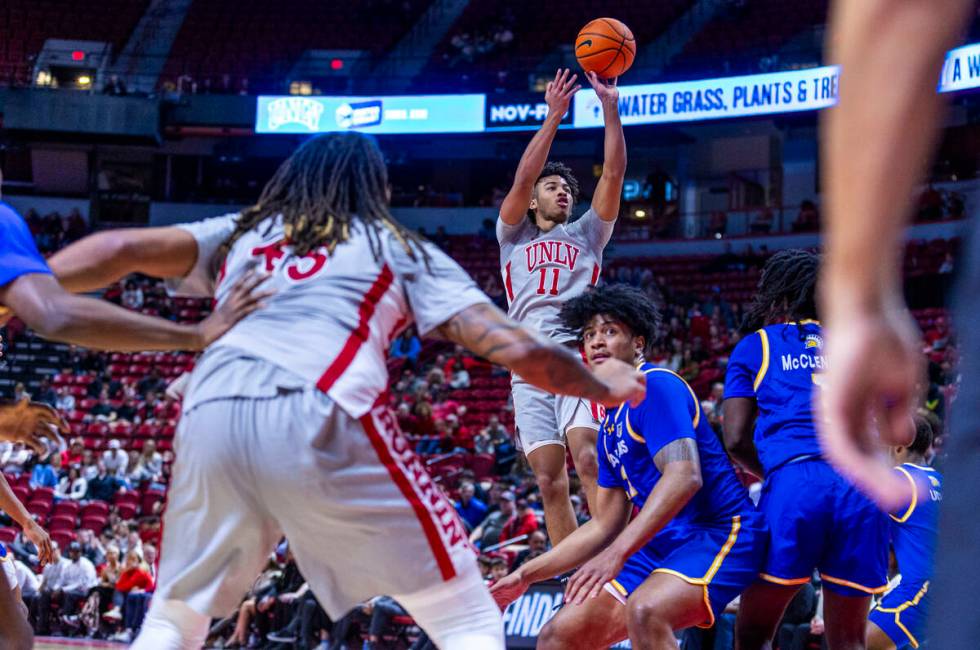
[(524, 618), (397, 114), (708, 99), (519, 112)]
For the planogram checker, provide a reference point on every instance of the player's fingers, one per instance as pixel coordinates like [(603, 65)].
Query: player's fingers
[(547, 89), (35, 443), (252, 281), (564, 76), (571, 91), (597, 587), (586, 589)]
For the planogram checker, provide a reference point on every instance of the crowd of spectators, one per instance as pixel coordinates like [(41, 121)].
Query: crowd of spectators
[(53, 230)]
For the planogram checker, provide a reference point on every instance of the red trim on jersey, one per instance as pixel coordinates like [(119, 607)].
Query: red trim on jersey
[(507, 283), (404, 483), (360, 333), (595, 274)]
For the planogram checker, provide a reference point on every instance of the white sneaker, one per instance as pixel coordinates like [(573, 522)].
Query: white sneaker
[(125, 636), (113, 614)]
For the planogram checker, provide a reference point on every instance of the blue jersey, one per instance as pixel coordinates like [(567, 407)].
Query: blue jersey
[(18, 253), (631, 437), (776, 367), (914, 529)]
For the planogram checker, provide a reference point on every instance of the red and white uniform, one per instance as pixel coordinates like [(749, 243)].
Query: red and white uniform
[(285, 430), (542, 270)]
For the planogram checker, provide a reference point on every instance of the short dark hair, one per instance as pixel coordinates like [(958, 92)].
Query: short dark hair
[(927, 428), (630, 306), (498, 561), (555, 168)]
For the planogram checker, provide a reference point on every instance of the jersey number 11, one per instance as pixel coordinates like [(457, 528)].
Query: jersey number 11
[(554, 282)]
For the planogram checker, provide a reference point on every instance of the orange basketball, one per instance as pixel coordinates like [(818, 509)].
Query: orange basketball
[(605, 46)]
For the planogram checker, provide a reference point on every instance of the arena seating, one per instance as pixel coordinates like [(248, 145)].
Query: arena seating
[(735, 40), (26, 24), (537, 29), (223, 42)]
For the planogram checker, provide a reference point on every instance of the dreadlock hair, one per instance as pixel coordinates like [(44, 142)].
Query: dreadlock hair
[(330, 181), (786, 290), (555, 168), (626, 304)]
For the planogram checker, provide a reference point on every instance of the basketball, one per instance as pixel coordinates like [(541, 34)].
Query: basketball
[(605, 46)]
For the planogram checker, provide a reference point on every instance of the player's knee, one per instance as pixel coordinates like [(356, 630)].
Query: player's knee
[(587, 464), (645, 618), (555, 635), (553, 484)]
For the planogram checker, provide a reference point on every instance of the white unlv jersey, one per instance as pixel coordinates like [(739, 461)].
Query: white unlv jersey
[(333, 317), (542, 270)]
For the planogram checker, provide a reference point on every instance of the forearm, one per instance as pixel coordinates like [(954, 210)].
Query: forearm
[(10, 504), (880, 137), (668, 498), (101, 325), (614, 145), (536, 154), (747, 457), (573, 551)]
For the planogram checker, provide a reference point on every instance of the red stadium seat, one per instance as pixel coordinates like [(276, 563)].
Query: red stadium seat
[(61, 522), (63, 537), (7, 534), (95, 508), (126, 510), (43, 494), (69, 508), (94, 523)]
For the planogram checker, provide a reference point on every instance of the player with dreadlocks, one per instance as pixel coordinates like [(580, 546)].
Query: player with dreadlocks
[(816, 518), (286, 428), (697, 540)]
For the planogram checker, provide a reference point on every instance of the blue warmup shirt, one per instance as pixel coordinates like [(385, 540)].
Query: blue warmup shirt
[(776, 366), (18, 253), (914, 530), (631, 437)]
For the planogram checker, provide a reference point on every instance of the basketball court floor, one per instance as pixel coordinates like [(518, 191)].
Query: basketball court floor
[(55, 643)]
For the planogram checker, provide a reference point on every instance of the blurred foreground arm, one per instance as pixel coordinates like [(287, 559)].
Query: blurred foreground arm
[(876, 146)]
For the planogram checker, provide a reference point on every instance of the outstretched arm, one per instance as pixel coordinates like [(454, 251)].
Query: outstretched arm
[(558, 96), (106, 257), (680, 467), (612, 514), (877, 144), (607, 195), (54, 313), (486, 331), (10, 504)]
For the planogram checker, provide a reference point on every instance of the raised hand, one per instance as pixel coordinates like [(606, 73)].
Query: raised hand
[(606, 90), (31, 423), (625, 383), (559, 92)]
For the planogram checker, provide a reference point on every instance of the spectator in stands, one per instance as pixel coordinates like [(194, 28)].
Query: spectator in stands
[(537, 544), (487, 230), (45, 394), (498, 567), (149, 464), (134, 579), (73, 486), (152, 382), (522, 522), (470, 509), (132, 296), (66, 401), (115, 86), (407, 346), (28, 583), (105, 485), (441, 238), (102, 410), (460, 378), (46, 474), (14, 457), (114, 459), (947, 266), (488, 532), (65, 583), (90, 468), (483, 442), (128, 412), (75, 453), (20, 393), (718, 224), (91, 547)]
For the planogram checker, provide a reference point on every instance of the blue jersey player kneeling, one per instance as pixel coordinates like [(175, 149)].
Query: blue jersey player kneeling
[(899, 619), (696, 542)]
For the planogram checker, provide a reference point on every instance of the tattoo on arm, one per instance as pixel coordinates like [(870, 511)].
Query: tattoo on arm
[(491, 334), (682, 450)]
